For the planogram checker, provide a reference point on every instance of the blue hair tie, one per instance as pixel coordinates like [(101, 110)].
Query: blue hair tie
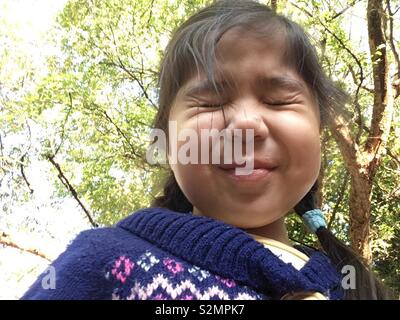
[(314, 219)]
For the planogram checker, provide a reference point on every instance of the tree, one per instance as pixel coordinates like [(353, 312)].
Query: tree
[(362, 146)]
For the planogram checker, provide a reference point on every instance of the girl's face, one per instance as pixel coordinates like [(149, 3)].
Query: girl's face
[(272, 99)]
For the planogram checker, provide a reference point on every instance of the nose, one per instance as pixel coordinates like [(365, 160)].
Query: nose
[(248, 119)]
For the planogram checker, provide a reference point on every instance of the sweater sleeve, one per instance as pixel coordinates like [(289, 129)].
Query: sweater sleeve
[(78, 273)]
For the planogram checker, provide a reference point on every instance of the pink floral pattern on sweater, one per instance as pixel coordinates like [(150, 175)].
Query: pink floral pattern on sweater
[(122, 268)]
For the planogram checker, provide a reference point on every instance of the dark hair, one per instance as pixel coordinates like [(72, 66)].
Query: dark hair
[(368, 287), (192, 49)]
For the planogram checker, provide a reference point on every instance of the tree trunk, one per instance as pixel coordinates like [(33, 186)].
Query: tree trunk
[(378, 134), (360, 215), (363, 161)]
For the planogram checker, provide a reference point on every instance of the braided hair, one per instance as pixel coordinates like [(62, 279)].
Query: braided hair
[(367, 286)]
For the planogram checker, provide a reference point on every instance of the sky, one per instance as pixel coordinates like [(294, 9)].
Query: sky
[(32, 18)]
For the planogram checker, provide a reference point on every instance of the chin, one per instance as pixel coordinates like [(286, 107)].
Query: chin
[(250, 219)]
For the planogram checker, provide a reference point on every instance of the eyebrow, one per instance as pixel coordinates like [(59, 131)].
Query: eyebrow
[(205, 87), (275, 82), (279, 82)]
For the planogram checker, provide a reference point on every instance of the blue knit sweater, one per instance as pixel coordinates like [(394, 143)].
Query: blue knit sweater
[(159, 254)]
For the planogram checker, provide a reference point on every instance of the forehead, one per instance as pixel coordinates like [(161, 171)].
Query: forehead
[(261, 43), (247, 57)]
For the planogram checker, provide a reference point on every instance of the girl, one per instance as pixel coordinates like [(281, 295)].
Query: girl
[(215, 234)]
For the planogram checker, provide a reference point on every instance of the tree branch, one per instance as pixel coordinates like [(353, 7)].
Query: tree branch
[(346, 143), (1, 146), (122, 66), (390, 154), (70, 188), (383, 104), (342, 191), (393, 47), (350, 5), (7, 241), (151, 12), (132, 148), (274, 5), (21, 166), (337, 39), (63, 125)]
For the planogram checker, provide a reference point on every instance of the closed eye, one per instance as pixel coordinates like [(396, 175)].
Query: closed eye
[(280, 102), (211, 105)]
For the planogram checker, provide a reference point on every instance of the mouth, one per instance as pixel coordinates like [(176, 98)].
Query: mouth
[(261, 170)]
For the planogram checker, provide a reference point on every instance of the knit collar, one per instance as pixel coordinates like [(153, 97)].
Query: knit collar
[(230, 252)]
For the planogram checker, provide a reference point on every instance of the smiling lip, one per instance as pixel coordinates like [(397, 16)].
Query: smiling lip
[(262, 169)]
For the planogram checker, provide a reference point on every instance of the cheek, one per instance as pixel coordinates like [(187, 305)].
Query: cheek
[(194, 181), (301, 139), (203, 189), (194, 122)]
